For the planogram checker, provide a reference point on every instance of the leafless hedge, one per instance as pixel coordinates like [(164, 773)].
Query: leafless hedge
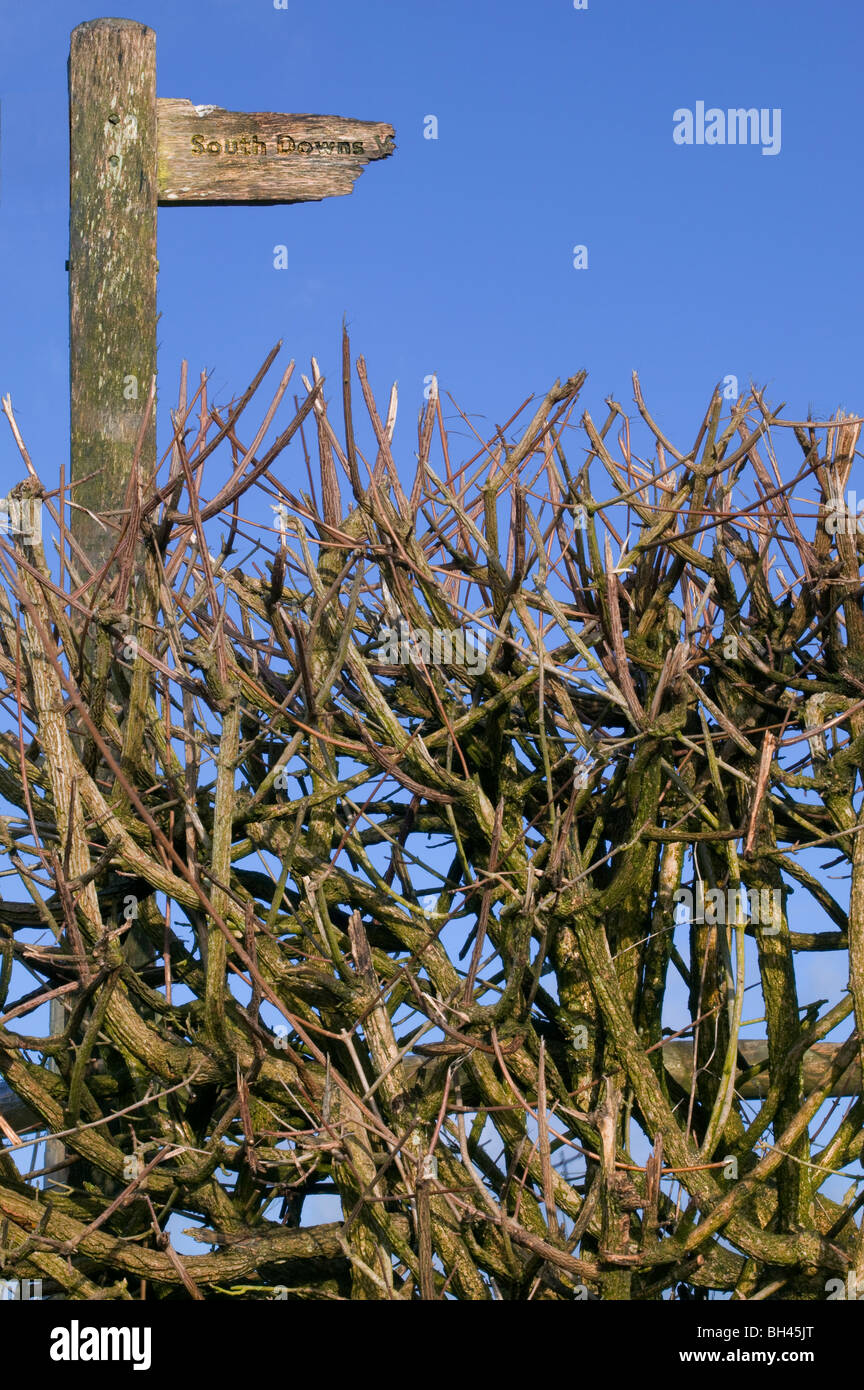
[(353, 836)]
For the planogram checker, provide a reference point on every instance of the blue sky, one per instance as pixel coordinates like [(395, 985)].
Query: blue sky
[(455, 256)]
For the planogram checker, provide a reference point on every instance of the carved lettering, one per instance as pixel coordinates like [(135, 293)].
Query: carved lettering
[(285, 144)]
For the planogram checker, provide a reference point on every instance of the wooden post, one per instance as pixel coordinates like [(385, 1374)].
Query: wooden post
[(112, 290), (121, 167), (112, 266)]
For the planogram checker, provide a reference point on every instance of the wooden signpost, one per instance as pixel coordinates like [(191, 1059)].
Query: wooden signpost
[(131, 153)]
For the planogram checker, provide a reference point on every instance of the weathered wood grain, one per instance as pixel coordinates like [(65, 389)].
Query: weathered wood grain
[(112, 264), (210, 156)]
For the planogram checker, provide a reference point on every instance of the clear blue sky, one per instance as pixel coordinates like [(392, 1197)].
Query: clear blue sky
[(455, 256)]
